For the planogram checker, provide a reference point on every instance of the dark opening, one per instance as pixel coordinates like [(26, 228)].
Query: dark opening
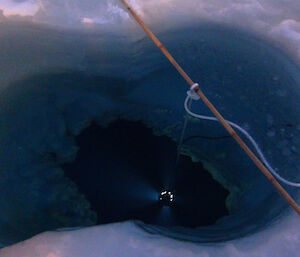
[(123, 168)]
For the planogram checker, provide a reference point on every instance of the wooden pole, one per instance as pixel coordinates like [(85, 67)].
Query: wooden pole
[(212, 108)]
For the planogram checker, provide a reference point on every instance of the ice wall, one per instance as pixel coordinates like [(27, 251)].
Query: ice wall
[(55, 80)]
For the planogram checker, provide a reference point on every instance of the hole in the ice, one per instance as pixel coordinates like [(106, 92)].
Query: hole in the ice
[(123, 168)]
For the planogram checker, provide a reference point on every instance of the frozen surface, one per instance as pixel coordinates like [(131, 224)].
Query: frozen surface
[(126, 239), (277, 19), (73, 64)]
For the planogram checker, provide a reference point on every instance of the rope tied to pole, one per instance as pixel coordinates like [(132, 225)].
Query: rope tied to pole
[(216, 113), (192, 92)]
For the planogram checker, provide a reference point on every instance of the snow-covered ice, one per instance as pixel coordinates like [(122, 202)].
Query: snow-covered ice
[(66, 63)]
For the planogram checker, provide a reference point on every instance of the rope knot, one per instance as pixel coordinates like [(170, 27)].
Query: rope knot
[(192, 93)]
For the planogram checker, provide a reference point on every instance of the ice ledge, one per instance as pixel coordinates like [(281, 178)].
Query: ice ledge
[(127, 239)]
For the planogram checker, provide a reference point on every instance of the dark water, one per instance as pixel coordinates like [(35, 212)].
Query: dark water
[(122, 169)]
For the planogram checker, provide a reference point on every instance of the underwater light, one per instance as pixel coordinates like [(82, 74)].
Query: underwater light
[(166, 197)]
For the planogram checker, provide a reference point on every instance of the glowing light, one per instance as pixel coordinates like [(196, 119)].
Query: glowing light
[(166, 197)]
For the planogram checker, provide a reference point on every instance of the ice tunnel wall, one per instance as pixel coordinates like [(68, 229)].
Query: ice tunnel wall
[(55, 82)]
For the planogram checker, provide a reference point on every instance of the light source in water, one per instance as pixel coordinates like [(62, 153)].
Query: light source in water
[(166, 197)]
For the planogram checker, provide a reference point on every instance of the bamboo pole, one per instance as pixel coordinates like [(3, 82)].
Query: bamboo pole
[(212, 108)]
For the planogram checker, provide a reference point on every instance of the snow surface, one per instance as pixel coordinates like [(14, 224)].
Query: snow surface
[(126, 239), (83, 41), (277, 19)]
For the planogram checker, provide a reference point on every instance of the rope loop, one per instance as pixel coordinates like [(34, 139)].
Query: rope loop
[(192, 93)]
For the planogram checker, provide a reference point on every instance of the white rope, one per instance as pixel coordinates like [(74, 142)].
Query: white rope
[(192, 93), (244, 132)]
